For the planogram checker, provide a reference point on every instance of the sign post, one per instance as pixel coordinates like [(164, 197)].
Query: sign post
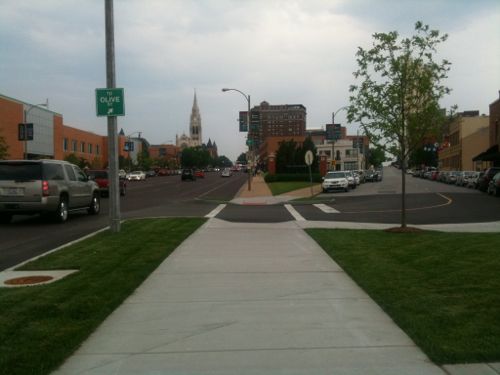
[(309, 158)]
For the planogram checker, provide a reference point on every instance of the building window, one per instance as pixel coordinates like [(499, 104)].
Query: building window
[(65, 144), (82, 147), (97, 150), (90, 148), (74, 145)]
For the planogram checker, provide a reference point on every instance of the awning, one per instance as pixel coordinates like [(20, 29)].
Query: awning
[(491, 154)]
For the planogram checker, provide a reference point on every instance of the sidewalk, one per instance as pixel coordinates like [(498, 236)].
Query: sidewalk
[(273, 304), (261, 195), (242, 298)]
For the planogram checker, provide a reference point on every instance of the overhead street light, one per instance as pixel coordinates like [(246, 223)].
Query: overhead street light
[(250, 151)]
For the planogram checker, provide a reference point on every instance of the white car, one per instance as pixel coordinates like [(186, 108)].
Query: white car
[(136, 175), (226, 172), (351, 180), (335, 181)]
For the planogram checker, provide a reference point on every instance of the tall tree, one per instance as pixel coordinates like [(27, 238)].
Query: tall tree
[(397, 100), (376, 157)]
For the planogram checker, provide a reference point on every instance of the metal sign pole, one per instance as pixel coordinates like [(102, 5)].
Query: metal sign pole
[(114, 197)]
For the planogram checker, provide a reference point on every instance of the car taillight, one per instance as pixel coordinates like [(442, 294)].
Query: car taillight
[(45, 188)]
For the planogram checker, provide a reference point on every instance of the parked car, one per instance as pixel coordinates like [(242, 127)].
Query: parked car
[(361, 175), (151, 173), (49, 187), (484, 180), (101, 177), (335, 181), (463, 177), (199, 173), (226, 172), (122, 174), (188, 174), (136, 175), (494, 185), (370, 175), (350, 179)]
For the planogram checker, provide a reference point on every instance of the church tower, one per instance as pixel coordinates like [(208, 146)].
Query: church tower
[(195, 124)]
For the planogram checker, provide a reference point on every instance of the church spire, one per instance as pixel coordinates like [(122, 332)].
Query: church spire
[(195, 123)]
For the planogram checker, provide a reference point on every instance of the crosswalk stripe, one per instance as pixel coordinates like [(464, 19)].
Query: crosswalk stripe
[(294, 213), (326, 209), (216, 211)]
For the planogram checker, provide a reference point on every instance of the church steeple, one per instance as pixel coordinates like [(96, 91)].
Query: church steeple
[(195, 123)]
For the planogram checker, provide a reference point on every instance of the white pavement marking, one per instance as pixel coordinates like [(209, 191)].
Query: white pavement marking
[(326, 209), (216, 211), (294, 213)]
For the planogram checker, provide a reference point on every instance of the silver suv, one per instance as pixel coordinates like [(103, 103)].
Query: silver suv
[(50, 187)]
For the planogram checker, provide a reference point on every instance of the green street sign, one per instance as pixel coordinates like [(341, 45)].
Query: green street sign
[(109, 102)]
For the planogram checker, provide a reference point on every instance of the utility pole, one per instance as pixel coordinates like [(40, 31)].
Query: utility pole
[(114, 192)]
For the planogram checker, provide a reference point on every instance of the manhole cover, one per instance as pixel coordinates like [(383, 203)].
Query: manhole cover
[(26, 280)]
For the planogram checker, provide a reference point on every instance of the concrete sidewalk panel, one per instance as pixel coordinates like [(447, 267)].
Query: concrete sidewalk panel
[(342, 361), (249, 299)]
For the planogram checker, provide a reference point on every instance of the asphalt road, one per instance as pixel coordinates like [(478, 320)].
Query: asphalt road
[(427, 202)]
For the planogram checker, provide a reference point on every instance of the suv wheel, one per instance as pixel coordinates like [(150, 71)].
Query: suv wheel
[(95, 205), (61, 214)]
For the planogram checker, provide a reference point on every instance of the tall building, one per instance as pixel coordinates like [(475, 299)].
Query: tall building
[(465, 137), (271, 124), (195, 134)]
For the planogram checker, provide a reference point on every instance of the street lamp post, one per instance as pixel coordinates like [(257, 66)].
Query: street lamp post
[(250, 153), (25, 119)]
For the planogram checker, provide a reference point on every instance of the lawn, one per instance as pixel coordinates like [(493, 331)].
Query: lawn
[(42, 325), (278, 188), (442, 289)]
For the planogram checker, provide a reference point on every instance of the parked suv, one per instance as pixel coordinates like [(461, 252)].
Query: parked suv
[(484, 180), (50, 187)]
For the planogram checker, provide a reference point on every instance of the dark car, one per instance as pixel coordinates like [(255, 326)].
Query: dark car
[(101, 178), (484, 180), (188, 174), (370, 175), (494, 185)]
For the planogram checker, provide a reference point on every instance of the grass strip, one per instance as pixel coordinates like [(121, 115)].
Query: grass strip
[(40, 326), (442, 289), (278, 188)]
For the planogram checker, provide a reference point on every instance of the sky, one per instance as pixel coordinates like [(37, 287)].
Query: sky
[(283, 52)]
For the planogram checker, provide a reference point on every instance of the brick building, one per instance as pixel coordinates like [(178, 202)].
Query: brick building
[(51, 138), (491, 155), (466, 137)]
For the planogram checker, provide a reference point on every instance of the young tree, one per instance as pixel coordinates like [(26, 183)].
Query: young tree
[(397, 100)]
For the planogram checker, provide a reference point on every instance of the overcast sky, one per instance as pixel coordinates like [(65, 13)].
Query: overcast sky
[(284, 52)]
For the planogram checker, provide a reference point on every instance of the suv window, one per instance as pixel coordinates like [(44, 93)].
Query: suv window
[(20, 171), (53, 172), (70, 172), (82, 177)]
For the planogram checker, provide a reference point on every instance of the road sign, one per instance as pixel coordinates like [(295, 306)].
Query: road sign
[(109, 102), (309, 157)]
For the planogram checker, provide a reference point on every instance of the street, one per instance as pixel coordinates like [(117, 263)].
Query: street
[(427, 202)]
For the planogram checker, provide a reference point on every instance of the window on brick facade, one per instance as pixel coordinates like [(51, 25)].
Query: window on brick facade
[(65, 144), (97, 149), (90, 148), (74, 145), (82, 147)]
